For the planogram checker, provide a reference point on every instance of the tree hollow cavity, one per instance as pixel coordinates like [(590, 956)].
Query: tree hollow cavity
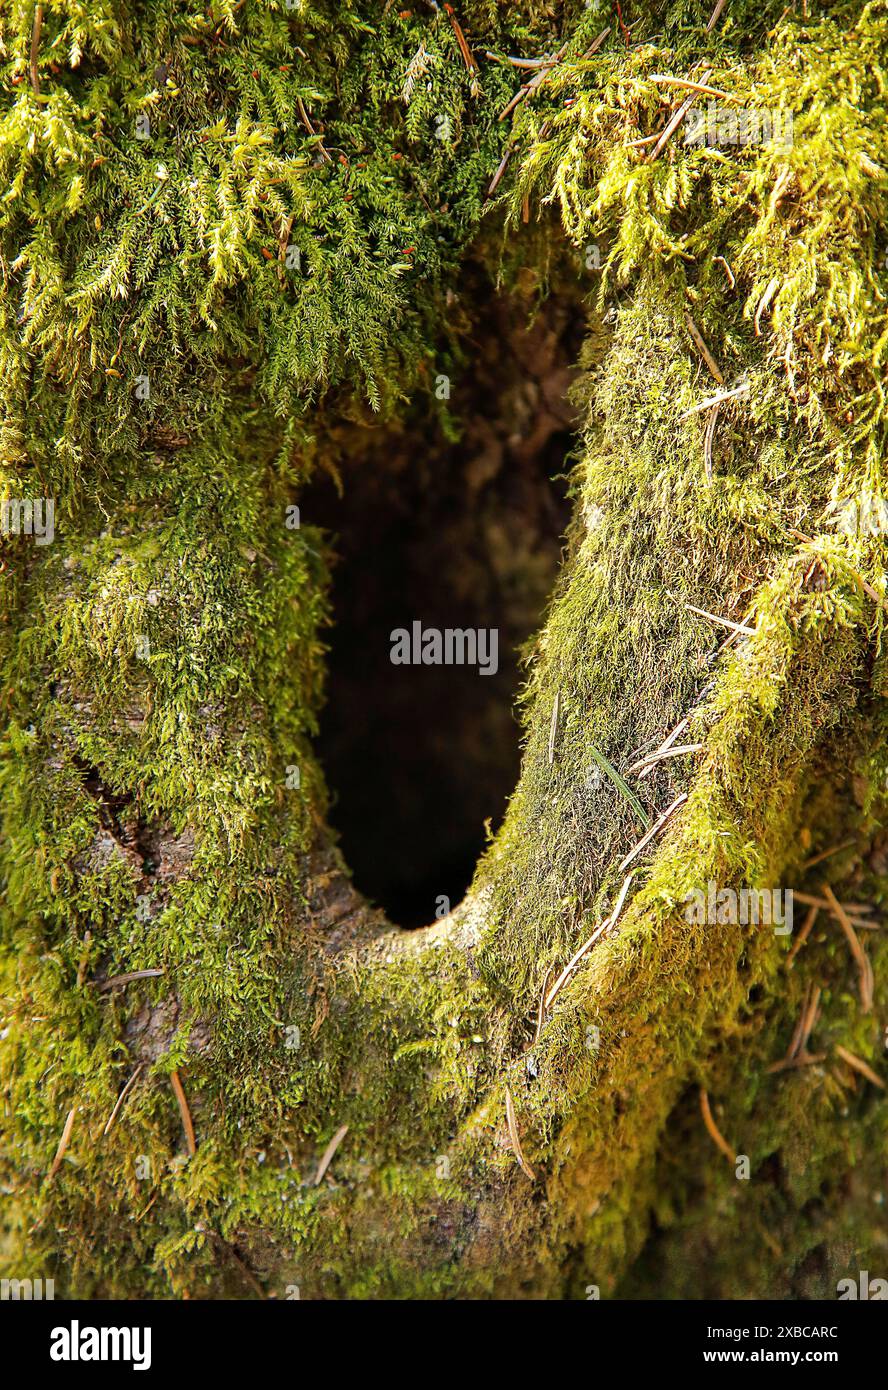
[(453, 520)]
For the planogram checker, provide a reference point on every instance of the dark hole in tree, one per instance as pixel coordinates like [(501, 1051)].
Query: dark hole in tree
[(456, 535)]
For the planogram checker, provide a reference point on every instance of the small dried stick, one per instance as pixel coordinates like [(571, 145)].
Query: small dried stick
[(712, 1128), (327, 1156), (187, 1124), (515, 1138), (63, 1144)]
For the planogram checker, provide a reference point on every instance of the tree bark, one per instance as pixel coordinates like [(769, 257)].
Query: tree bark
[(224, 1073)]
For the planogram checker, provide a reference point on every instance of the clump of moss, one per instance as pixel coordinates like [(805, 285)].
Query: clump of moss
[(191, 302)]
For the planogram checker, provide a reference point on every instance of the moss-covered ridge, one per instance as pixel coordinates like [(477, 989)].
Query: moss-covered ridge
[(163, 660)]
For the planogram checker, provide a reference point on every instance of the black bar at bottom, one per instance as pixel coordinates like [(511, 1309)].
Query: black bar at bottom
[(193, 1341)]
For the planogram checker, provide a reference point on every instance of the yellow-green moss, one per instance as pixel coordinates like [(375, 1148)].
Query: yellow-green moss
[(164, 659)]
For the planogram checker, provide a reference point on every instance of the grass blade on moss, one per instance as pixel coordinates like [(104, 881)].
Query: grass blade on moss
[(625, 791)]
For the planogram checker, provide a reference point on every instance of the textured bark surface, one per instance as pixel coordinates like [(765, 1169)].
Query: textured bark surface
[(380, 1112)]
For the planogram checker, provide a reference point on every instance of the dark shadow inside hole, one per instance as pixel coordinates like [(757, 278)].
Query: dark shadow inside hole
[(455, 535)]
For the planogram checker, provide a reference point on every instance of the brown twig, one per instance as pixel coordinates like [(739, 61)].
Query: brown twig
[(596, 44), (574, 961), (529, 63), (63, 1144), (304, 116), (128, 978), (599, 931), (35, 49), (868, 589), (796, 1039), (230, 1252), (121, 1098), (536, 81), (675, 751), (672, 126), (859, 1065), (781, 184), (654, 830), (727, 395), (729, 640), (664, 80), (667, 743), (852, 909), (712, 1128), (623, 30), (501, 169), (703, 349), (808, 1018), (327, 1156), (764, 302), (523, 91), (674, 122), (513, 1135), (813, 913), (860, 956), (553, 730), (715, 16), (461, 40), (826, 854), (804, 1059), (187, 1125), (722, 622)]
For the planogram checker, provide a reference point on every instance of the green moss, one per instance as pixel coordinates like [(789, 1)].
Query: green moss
[(163, 660)]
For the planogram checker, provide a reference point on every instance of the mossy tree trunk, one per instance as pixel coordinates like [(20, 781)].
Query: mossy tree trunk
[(228, 237)]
